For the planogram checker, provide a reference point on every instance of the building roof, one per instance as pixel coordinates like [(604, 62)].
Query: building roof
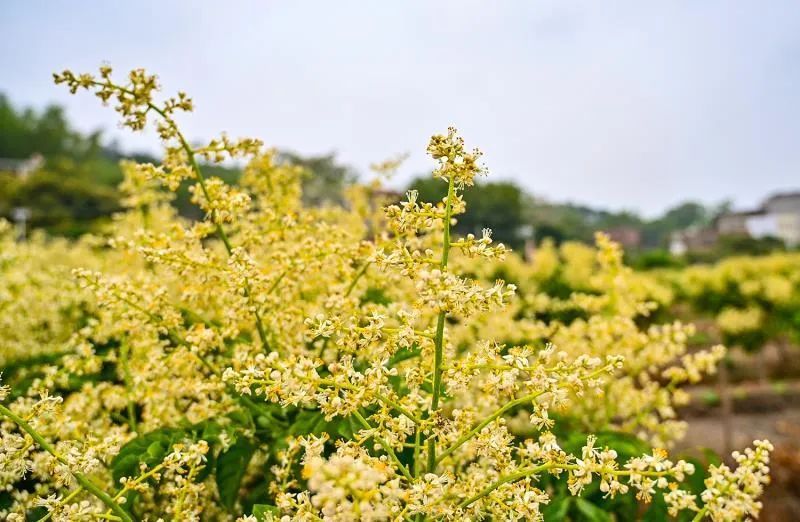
[(782, 195), (743, 213), (11, 164), (23, 166)]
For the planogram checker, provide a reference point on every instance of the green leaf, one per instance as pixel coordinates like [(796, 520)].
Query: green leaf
[(657, 512), (209, 431), (313, 422), (231, 466), (557, 509), (375, 295), (208, 467), (36, 513), (149, 448), (308, 422), (625, 444), (590, 512), (267, 416), (696, 482), (241, 418), (404, 354), (712, 457), (265, 512), (622, 506), (258, 491), (346, 427)]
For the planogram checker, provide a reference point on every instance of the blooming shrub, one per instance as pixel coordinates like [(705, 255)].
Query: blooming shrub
[(274, 361), (753, 299)]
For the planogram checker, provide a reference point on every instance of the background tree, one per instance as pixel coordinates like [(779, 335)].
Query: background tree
[(64, 205), (656, 233), (496, 205), (327, 177)]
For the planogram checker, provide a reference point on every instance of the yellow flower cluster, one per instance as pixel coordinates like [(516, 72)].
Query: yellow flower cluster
[(275, 361), (738, 320), (772, 280)]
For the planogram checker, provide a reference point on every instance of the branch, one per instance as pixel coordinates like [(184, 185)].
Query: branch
[(82, 479)]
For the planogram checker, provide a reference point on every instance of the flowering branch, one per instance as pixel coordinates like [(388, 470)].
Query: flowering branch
[(82, 479), (504, 409), (440, 321), (556, 466), (134, 104), (386, 447)]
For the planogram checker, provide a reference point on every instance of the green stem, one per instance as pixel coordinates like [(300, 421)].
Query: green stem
[(417, 435), (505, 480), (448, 214), (379, 396), (438, 357), (82, 479), (262, 333), (488, 420), (500, 411), (66, 500), (190, 154), (124, 352), (350, 288), (399, 408), (138, 480), (359, 275), (385, 445), (177, 340), (527, 472)]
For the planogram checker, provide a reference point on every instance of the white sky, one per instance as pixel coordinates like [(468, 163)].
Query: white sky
[(635, 105)]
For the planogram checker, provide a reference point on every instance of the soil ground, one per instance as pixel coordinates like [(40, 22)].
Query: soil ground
[(760, 411)]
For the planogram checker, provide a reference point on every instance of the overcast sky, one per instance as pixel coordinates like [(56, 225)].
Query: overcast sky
[(635, 105)]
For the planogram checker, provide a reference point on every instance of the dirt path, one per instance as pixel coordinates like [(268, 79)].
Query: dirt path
[(782, 428)]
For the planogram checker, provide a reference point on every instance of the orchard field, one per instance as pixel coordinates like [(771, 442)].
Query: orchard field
[(276, 361)]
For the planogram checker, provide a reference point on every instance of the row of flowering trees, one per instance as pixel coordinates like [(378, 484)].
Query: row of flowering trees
[(274, 361)]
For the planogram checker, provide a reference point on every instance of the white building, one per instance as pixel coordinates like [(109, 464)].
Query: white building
[(785, 208), (22, 167), (778, 217)]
